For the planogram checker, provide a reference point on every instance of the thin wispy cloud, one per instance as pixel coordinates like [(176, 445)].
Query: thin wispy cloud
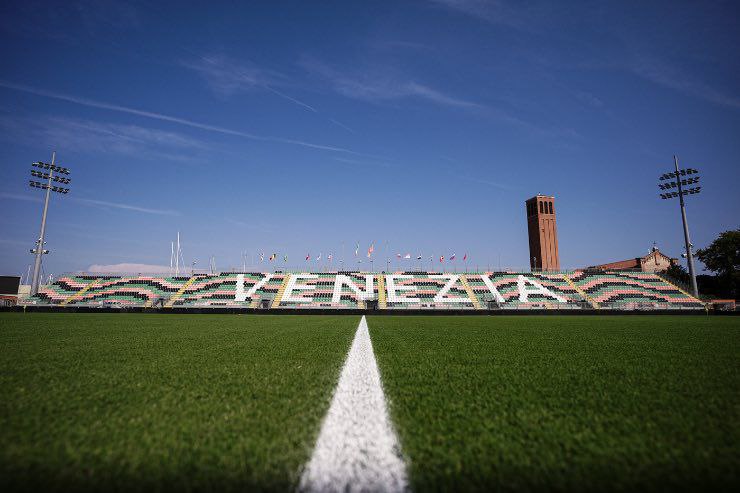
[(228, 77), (588, 99), (92, 136), (438, 97), (493, 11), (342, 125), (17, 196), (93, 203), (673, 78), (291, 99), (363, 163), (372, 86), (127, 207), (167, 118)]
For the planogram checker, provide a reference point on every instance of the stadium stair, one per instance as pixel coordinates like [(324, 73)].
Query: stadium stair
[(667, 281), (279, 296), (381, 292), (79, 293), (581, 292), (471, 293), (177, 295)]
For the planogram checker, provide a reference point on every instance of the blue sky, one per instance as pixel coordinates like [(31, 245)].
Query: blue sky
[(421, 126)]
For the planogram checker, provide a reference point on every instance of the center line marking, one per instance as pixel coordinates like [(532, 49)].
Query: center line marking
[(357, 449)]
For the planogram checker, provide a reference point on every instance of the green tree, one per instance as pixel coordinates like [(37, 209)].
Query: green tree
[(723, 258), (677, 272)]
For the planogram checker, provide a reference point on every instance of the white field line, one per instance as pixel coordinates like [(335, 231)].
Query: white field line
[(357, 449)]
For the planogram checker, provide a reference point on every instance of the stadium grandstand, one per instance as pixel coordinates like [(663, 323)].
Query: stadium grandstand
[(415, 290)]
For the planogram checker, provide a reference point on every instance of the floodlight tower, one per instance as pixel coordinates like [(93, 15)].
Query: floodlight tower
[(45, 172), (677, 179)]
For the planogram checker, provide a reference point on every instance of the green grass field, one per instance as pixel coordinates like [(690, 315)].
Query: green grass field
[(226, 402), (564, 403), (170, 402)]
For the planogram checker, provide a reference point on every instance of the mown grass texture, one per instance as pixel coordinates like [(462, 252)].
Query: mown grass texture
[(163, 402), (564, 403)]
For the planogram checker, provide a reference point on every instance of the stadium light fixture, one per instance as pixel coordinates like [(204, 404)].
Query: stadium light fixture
[(51, 173), (676, 179)]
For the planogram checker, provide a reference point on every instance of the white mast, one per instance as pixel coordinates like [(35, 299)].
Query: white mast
[(177, 256)]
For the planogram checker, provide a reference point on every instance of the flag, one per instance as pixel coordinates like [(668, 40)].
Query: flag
[(418, 257), (408, 255), (442, 258), (329, 257), (465, 257), (357, 250), (452, 257), (308, 257), (370, 250), (262, 257)]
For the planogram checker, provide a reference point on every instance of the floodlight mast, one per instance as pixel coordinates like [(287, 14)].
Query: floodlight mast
[(687, 241), (678, 183), (39, 251)]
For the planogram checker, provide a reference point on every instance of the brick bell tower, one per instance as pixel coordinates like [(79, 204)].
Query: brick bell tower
[(543, 233)]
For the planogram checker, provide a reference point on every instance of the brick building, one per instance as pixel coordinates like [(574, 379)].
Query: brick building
[(543, 233), (655, 261)]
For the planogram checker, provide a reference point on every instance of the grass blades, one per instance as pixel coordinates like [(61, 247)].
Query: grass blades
[(564, 403), (163, 402)]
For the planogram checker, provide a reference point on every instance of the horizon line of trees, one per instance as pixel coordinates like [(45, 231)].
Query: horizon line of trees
[(722, 258)]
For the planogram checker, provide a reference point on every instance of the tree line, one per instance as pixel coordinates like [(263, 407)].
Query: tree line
[(722, 258)]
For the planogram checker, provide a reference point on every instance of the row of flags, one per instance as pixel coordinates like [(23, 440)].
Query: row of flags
[(441, 257), (329, 257), (272, 257), (370, 251)]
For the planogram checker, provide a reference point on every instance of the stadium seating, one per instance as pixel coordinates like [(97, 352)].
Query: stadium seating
[(102, 290), (324, 290), (632, 290), (62, 289), (526, 291), (425, 290), (221, 290), (395, 291)]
